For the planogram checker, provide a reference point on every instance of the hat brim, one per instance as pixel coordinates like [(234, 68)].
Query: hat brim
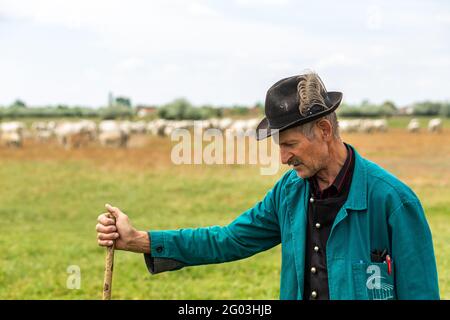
[(264, 131)]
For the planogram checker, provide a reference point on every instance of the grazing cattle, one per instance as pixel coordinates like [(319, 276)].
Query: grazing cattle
[(157, 127), (113, 138), (39, 125), (414, 126), (365, 126), (435, 125), (369, 126), (125, 127), (238, 127), (203, 124), (11, 133), (73, 134), (243, 127), (89, 127), (138, 127), (252, 124), (221, 124), (225, 123), (43, 131), (11, 139), (13, 126), (349, 125), (113, 133), (380, 125)]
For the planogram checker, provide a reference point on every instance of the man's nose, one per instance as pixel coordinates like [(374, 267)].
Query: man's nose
[(285, 156)]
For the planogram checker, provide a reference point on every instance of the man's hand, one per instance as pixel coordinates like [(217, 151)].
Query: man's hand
[(126, 237)]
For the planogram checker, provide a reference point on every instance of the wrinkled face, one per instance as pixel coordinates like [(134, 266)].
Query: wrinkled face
[(306, 156)]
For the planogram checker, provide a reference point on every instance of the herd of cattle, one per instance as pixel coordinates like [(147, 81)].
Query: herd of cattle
[(117, 133)]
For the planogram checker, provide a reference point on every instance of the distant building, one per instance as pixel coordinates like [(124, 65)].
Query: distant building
[(145, 111), (407, 110)]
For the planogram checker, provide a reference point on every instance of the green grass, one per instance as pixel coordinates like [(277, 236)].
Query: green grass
[(49, 211)]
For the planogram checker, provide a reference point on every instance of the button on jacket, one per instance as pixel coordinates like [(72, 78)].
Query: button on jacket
[(380, 213)]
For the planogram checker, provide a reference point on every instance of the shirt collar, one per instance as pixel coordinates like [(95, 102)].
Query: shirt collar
[(339, 182)]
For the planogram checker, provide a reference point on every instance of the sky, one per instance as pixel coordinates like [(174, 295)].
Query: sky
[(220, 52)]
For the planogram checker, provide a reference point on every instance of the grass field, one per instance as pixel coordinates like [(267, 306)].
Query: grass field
[(50, 199)]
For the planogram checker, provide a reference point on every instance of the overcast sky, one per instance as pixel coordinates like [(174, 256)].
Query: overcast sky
[(220, 52)]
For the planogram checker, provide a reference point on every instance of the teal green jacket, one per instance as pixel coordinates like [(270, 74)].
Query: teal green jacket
[(380, 213)]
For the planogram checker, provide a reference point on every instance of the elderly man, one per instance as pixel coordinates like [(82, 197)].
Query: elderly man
[(348, 228)]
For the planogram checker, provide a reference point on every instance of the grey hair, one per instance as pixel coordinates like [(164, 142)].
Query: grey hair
[(307, 129)]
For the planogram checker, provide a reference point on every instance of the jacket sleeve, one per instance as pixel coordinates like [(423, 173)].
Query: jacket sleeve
[(413, 254), (256, 230)]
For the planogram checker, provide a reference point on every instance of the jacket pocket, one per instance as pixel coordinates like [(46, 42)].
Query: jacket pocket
[(373, 282)]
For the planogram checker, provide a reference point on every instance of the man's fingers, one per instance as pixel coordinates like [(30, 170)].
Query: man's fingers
[(104, 220), (105, 229), (105, 243), (107, 236), (113, 210)]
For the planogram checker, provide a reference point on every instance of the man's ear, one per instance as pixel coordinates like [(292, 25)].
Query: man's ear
[(326, 129)]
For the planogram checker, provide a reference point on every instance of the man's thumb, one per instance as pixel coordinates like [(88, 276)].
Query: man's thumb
[(112, 210)]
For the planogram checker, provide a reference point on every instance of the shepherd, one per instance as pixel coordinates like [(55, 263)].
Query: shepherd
[(348, 228)]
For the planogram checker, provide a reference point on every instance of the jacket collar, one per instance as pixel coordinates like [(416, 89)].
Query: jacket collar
[(357, 197)]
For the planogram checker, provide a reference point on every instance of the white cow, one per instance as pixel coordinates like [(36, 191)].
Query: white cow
[(242, 127), (156, 127), (138, 127), (113, 133), (73, 134), (435, 125), (225, 123), (89, 127), (42, 130), (414, 125), (12, 139), (349, 125), (380, 125), (13, 126), (11, 133)]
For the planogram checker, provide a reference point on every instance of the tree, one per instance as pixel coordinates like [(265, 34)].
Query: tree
[(445, 110), (176, 110), (389, 105), (388, 108), (426, 108), (18, 104), (123, 102)]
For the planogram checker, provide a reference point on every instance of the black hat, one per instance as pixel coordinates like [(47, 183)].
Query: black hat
[(294, 101)]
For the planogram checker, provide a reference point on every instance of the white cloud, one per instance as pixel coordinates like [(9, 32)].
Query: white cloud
[(339, 60), (200, 9), (135, 45), (130, 64), (258, 3)]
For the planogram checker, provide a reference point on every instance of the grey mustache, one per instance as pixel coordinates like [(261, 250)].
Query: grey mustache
[(294, 162)]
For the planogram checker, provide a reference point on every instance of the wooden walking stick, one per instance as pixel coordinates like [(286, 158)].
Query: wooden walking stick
[(109, 266)]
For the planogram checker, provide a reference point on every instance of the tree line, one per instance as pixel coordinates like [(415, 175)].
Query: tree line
[(180, 109)]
